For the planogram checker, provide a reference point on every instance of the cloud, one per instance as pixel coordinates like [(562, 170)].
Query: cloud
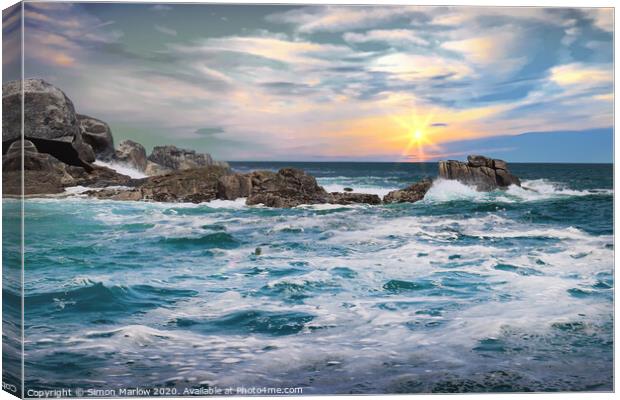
[(579, 74), (341, 18), (602, 18), (161, 8), (329, 81), (398, 37), (209, 131), (166, 31)]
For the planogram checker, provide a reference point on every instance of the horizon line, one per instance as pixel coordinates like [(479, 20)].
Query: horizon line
[(412, 162)]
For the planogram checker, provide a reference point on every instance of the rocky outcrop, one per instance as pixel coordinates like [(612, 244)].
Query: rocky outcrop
[(42, 173), (133, 154), (231, 187), (98, 135), (410, 194), (289, 187), (354, 198), (484, 173), (174, 158), (48, 114), (189, 186)]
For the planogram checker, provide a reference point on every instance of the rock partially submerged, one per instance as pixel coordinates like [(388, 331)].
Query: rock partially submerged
[(189, 186), (410, 194), (289, 187), (354, 198), (484, 173)]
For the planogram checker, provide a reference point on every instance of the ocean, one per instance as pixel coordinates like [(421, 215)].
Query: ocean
[(462, 292)]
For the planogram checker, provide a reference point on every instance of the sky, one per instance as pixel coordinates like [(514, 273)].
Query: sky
[(368, 83)]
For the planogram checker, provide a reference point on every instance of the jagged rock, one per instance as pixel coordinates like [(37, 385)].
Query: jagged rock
[(49, 115), (231, 187), (410, 194), (353, 198), (289, 187), (484, 173), (98, 135), (133, 154), (173, 158), (188, 186)]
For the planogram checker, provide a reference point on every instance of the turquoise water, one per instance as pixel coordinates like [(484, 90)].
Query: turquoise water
[(464, 291)]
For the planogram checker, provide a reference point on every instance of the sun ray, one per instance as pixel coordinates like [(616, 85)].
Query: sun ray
[(416, 134)]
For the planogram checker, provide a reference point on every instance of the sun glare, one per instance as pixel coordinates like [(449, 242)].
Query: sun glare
[(417, 135)]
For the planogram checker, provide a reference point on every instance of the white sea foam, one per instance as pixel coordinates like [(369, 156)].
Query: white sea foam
[(531, 190), (379, 191), (121, 168)]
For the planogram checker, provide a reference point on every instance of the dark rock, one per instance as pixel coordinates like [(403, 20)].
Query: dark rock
[(353, 198), (347, 189), (133, 154), (231, 187), (410, 194), (48, 115), (98, 135), (42, 173), (99, 177), (188, 186), (173, 158), (289, 187), (484, 173), (479, 161)]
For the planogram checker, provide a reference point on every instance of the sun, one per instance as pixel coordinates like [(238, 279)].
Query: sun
[(415, 135)]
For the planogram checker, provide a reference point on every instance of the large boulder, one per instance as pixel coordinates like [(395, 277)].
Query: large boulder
[(48, 114), (484, 173), (133, 154), (174, 158), (410, 194), (98, 135), (289, 187)]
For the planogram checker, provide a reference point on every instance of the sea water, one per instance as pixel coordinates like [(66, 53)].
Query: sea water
[(464, 291)]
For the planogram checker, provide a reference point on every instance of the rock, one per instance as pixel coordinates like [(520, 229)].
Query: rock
[(231, 187), (99, 177), (289, 187), (410, 194), (484, 173), (353, 198), (42, 173), (49, 115), (479, 161), (153, 169), (173, 158), (347, 189), (98, 135), (188, 186), (133, 154)]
